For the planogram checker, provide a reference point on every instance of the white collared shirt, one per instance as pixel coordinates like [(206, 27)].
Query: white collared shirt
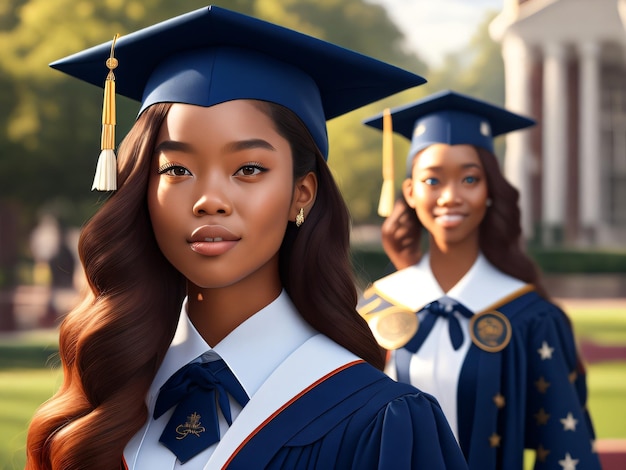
[(436, 367), (252, 351)]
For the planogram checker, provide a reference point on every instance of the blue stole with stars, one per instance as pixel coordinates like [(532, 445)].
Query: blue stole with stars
[(481, 370), (485, 370), (493, 433)]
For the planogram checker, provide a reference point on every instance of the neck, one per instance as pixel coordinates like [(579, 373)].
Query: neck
[(451, 262), (215, 313)]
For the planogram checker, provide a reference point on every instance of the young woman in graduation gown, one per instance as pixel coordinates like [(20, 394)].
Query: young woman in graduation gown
[(466, 316), (220, 328)]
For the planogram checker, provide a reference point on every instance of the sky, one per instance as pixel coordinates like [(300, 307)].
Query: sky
[(436, 27)]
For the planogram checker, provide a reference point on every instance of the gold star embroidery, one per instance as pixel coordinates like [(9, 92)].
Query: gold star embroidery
[(569, 423), (499, 400), (542, 385), (494, 440), (572, 376), (542, 417), (568, 463), (545, 351), (542, 453)]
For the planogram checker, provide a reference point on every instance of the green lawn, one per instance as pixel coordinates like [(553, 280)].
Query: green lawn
[(21, 392), (28, 376)]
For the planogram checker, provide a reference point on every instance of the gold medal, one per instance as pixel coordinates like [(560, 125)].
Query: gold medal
[(490, 331), (392, 325)]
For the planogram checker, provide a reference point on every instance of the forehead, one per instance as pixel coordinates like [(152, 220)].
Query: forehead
[(236, 117), (445, 155)]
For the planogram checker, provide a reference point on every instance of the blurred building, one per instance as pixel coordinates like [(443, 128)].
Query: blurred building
[(565, 65)]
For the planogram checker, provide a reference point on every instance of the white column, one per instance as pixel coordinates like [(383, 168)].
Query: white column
[(519, 159), (589, 195), (555, 117)]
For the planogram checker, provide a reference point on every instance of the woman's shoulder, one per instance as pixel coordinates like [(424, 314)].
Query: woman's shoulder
[(378, 401), (360, 418), (527, 301)]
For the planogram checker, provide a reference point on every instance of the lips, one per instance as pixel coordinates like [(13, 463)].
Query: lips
[(212, 240), (449, 219), (212, 233)]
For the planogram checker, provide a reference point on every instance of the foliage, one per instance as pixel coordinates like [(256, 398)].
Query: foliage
[(579, 261), (477, 70), (371, 262), (50, 125)]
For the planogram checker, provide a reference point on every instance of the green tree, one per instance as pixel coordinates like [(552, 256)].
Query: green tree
[(50, 125), (477, 69)]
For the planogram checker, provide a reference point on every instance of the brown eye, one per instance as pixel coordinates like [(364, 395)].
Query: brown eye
[(250, 170), (173, 170)]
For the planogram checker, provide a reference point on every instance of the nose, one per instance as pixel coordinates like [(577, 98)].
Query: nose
[(212, 202), (449, 195)]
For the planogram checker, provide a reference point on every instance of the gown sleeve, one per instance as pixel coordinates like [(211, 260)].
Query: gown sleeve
[(411, 432), (558, 425), (357, 419)]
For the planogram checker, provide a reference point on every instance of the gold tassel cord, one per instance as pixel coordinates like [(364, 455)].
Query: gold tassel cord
[(106, 170), (385, 204)]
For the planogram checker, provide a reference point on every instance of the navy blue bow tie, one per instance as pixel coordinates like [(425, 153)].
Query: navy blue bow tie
[(445, 308), (196, 389)]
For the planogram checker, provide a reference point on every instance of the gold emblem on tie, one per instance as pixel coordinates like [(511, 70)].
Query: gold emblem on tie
[(192, 426)]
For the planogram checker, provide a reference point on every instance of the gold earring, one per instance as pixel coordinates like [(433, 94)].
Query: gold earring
[(300, 217)]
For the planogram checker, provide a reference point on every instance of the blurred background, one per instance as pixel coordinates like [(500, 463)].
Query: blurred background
[(562, 62)]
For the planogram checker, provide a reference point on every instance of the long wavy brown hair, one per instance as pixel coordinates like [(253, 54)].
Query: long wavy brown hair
[(113, 342), (500, 238)]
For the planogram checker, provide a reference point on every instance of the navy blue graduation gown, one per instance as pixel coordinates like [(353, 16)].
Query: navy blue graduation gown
[(356, 419), (531, 395)]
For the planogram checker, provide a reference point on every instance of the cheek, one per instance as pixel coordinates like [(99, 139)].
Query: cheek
[(158, 202), (152, 199), (270, 211), (423, 196), (479, 197)]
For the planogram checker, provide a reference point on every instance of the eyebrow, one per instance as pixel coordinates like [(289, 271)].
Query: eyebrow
[(176, 146), (172, 146), (248, 144), (464, 166)]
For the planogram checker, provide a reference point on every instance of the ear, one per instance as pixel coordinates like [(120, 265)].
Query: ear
[(407, 192), (304, 193)]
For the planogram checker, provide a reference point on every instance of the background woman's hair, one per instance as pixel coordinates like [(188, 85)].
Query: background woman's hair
[(501, 230), (112, 344), (500, 237), (315, 266)]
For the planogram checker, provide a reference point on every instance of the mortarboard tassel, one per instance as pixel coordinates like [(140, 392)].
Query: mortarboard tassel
[(385, 204), (106, 170)]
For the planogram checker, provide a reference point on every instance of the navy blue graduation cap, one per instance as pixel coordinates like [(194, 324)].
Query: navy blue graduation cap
[(445, 117), (213, 55)]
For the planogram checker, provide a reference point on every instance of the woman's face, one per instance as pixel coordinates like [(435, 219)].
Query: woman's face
[(448, 191), (221, 193)]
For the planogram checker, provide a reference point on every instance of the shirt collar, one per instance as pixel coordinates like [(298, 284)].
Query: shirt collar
[(252, 351), (415, 286)]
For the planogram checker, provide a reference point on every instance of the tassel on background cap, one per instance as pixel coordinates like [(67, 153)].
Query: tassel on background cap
[(385, 204), (106, 171)]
